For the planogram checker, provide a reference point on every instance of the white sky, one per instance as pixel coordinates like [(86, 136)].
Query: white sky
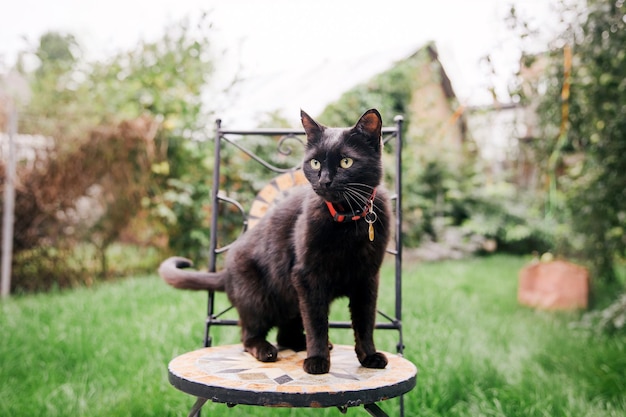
[(294, 54)]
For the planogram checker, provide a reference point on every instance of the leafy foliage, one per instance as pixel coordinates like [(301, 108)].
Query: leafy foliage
[(89, 194), (583, 147), (443, 189), (611, 319), (389, 92), (598, 129), (125, 134)]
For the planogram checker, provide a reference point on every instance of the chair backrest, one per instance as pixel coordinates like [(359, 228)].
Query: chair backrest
[(285, 140)]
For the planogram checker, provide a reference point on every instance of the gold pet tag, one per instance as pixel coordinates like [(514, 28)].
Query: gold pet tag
[(371, 218)]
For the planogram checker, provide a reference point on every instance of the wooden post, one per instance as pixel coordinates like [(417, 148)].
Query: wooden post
[(9, 205)]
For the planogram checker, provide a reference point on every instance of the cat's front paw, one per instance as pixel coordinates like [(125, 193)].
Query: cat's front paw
[(316, 365), (376, 361), (267, 354), (264, 352)]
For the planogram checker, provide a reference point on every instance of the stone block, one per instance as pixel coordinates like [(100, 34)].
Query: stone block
[(554, 285)]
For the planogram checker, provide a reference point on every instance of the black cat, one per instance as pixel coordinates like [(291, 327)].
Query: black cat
[(323, 241)]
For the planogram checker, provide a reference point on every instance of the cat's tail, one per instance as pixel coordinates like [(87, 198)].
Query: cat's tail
[(172, 272)]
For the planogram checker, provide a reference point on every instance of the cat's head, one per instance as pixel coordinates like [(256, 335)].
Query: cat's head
[(344, 165)]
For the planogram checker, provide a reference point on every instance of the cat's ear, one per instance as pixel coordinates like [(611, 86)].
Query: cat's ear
[(370, 124), (311, 127)]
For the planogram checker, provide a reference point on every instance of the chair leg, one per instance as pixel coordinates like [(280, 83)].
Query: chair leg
[(374, 410), (195, 410)]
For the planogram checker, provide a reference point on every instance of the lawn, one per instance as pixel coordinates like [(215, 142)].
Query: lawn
[(103, 351)]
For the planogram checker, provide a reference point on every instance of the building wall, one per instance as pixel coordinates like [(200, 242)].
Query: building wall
[(28, 148), (434, 122)]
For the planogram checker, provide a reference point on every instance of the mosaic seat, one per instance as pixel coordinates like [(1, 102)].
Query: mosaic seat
[(227, 374)]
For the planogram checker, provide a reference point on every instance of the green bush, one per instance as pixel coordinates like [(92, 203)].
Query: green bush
[(126, 132), (581, 148)]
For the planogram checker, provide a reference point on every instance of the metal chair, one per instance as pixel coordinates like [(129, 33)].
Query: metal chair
[(183, 376)]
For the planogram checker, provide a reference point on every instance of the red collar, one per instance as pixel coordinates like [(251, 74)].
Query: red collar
[(340, 217)]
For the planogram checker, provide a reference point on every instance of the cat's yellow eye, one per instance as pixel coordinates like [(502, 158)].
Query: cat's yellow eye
[(315, 164), (346, 162)]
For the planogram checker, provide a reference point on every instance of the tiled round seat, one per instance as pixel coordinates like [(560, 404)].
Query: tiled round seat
[(227, 374)]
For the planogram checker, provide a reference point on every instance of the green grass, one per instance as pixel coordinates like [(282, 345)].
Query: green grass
[(103, 351)]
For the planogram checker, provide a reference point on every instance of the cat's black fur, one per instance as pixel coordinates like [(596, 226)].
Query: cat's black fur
[(287, 270)]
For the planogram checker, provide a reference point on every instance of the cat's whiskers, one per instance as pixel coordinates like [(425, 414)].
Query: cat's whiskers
[(356, 196), (364, 189), (360, 184), (361, 197), (347, 196), (364, 194)]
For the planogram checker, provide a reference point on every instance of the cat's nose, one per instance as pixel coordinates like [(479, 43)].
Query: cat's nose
[(325, 180)]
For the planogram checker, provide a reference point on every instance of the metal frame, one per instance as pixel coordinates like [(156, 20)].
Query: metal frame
[(227, 137)]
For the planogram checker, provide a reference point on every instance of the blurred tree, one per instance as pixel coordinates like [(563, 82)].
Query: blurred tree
[(127, 131), (598, 129), (56, 51), (583, 151), (168, 79)]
